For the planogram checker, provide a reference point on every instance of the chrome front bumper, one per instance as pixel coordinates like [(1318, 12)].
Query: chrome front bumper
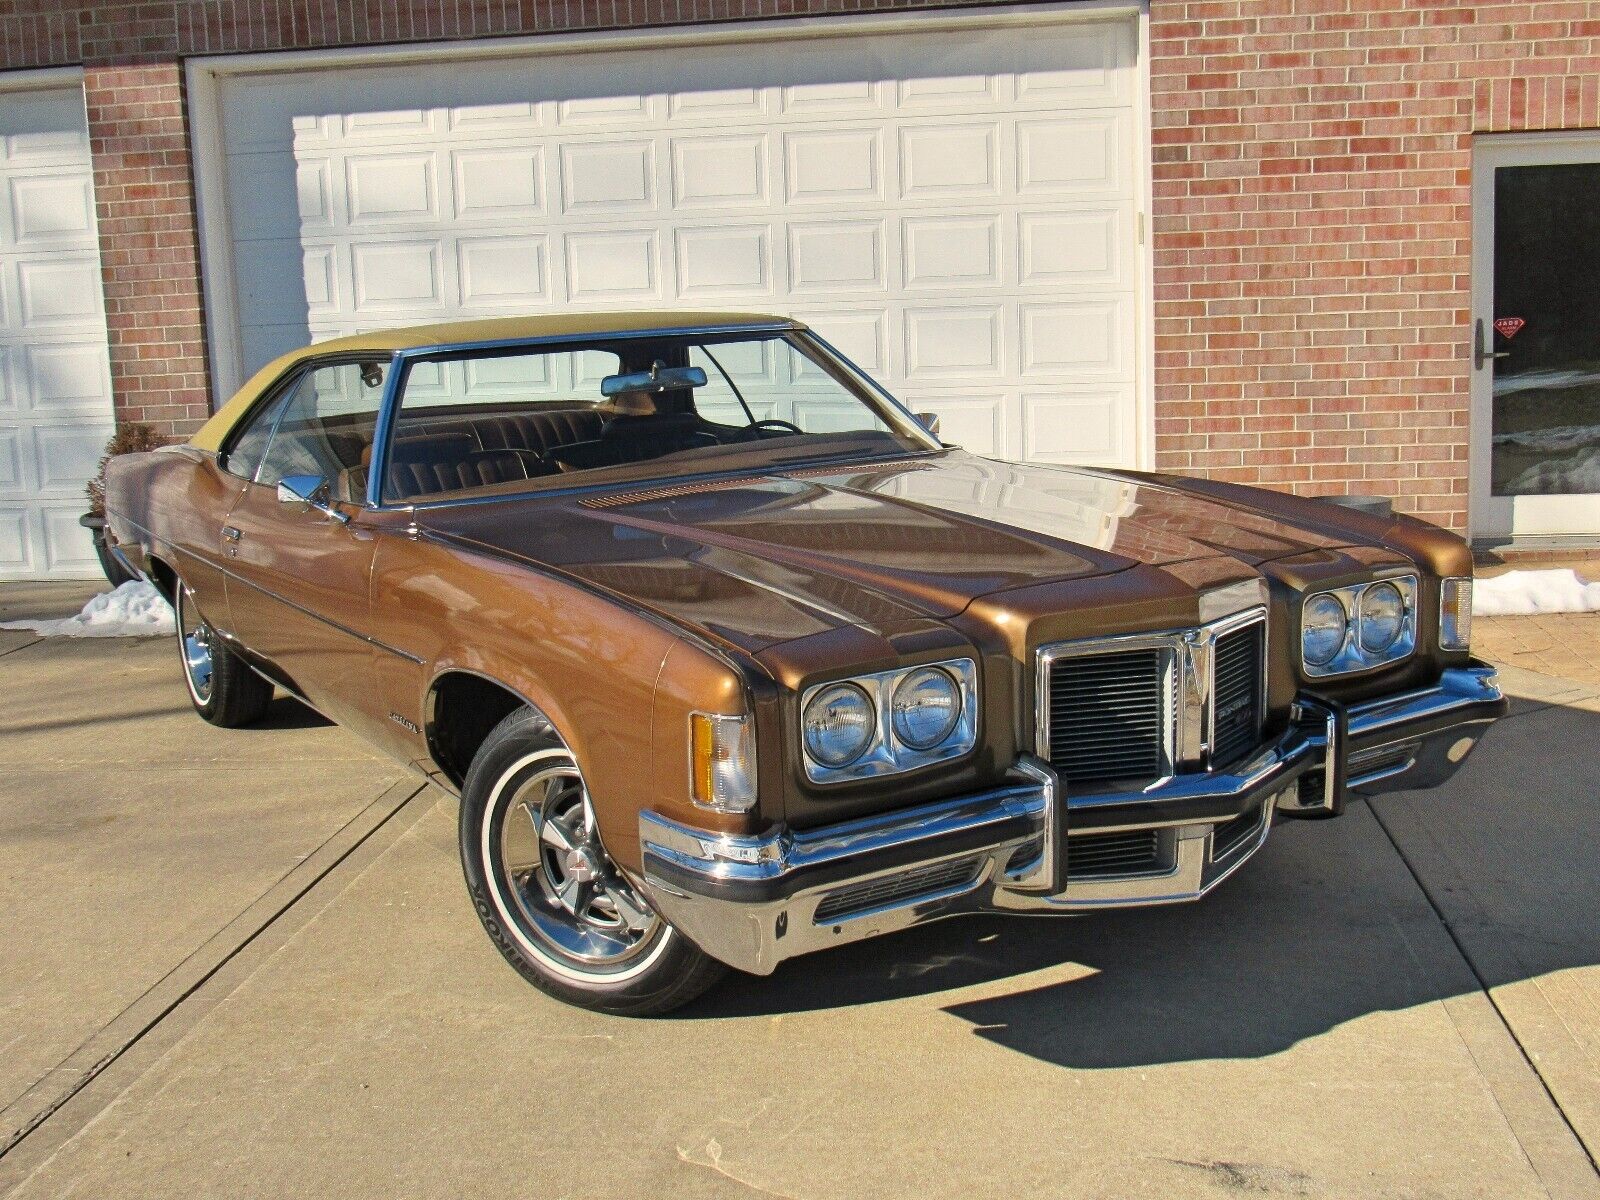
[(753, 901)]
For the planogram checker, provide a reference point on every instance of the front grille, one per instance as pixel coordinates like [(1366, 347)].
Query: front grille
[(1236, 693), (1230, 835), (1110, 716), (1101, 855), (893, 889)]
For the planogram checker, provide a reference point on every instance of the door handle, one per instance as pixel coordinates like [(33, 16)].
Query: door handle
[(230, 534), (1480, 352)]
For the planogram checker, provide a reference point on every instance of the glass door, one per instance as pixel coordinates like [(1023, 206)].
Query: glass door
[(1536, 338)]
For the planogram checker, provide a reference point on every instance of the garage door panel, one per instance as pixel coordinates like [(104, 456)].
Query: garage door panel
[(55, 379), (954, 208), (829, 165), (17, 537), (275, 278), (1079, 249), (608, 176), (954, 340), (50, 209), (721, 260), (66, 377), (44, 127), (976, 423), (65, 455), (386, 189), (861, 337), (1079, 155), (502, 271), (11, 452), (515, 114), (1091, 338), (950, 159), (60, 291), (838, 256), (613, 266), (403, 276), (498, 184), (68, 552), (720, 172), (956, 251), (1074, 424)]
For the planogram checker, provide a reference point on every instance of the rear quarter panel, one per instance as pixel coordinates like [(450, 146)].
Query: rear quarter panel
[(170, 504)]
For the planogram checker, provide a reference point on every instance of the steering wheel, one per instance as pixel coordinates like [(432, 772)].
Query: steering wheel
[(774, 423)]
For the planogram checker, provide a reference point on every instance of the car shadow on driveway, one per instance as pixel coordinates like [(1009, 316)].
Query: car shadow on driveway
[(286, 712), (1334, 920)]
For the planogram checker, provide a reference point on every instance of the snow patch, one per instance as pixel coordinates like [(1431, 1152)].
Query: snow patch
[(1544, 381), (1523, 593), (1552, 438), (1576, 474), (134, 609)]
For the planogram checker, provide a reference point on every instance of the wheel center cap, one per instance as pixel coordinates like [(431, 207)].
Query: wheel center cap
[(580, 865)]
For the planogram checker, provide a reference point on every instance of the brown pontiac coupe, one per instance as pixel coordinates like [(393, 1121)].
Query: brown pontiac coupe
[(730, 660)]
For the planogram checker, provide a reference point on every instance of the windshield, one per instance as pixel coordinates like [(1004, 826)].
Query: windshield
[(625, 410)]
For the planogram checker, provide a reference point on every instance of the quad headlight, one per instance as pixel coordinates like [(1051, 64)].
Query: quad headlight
[(889, 721), (840, 723), (1358, 627), (926, 705), (1324, 629)]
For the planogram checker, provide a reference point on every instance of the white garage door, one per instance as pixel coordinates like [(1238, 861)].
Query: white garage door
[(954, 208), (55, 379)]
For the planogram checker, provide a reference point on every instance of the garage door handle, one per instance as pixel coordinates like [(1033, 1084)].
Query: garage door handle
[(230, 534), (1481, 353)]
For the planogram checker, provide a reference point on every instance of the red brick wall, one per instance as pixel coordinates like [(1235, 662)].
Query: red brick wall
[(1312, 227), (133, 81), (149, 255), (1311, 218)]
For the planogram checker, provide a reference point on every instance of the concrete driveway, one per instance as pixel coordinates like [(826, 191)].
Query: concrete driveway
[(242, 963)]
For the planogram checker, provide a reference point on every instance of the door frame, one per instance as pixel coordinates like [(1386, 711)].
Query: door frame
[(205, 78), (1493, 518)]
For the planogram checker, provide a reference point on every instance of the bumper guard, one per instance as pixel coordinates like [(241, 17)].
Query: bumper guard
[(754, 900)]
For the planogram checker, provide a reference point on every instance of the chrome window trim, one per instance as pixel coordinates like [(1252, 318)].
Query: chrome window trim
[(1189, 689), (871, 391), (1351, 659), (886, 754)]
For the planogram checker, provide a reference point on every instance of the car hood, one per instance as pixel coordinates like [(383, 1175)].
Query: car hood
[(756, 561)]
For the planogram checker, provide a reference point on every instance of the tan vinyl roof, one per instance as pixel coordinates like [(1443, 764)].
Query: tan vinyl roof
[(449, 333)]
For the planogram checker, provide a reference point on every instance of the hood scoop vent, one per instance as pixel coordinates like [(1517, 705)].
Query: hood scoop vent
[(644, 495)]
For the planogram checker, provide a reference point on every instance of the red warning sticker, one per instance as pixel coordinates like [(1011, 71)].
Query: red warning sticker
[(1507, 327)]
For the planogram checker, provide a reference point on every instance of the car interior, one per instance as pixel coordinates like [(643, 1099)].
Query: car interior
[(646, 410)]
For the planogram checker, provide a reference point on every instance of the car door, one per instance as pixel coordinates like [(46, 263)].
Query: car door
[(298, 573)]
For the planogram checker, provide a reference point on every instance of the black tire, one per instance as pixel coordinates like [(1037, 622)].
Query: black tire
[(636, 970), (233, 695)]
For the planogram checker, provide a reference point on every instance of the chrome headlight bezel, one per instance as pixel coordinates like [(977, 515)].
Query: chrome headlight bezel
[(1352, 657), (887, 753)]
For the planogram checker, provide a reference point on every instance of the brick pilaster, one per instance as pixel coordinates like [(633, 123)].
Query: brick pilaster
[(150, 260)]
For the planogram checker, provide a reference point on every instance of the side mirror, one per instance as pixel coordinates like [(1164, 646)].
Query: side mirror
[(930, 422), (311, 490)]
